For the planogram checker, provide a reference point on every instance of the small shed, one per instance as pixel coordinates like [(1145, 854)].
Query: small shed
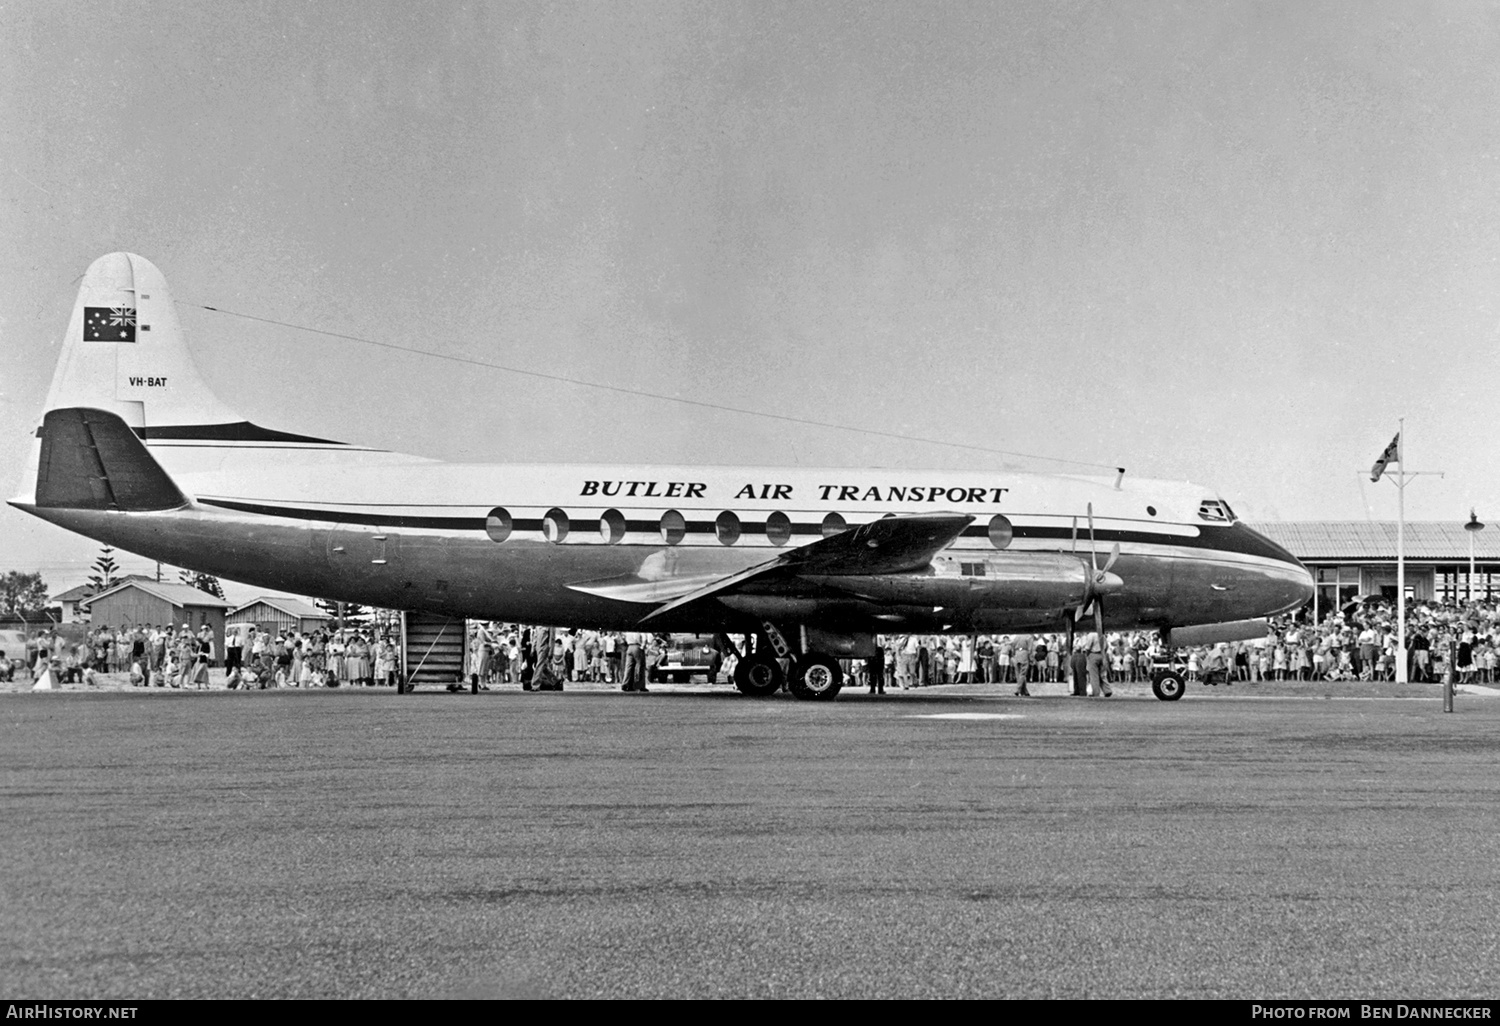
[(72, 603), (277, 614), (147, 604)]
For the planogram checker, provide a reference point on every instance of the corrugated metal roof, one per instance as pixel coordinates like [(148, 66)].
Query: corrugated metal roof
[(81, 592), (1440, 541), (177, 594), (289, 606)]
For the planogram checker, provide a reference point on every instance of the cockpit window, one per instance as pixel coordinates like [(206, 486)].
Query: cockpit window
[(1215, 511)]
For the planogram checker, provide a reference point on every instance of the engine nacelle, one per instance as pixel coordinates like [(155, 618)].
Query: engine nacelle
[(1014, 580), (1214, 633)]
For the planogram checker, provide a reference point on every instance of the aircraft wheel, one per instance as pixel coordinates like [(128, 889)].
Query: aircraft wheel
[(816, 676), (758, 676), (1168, 685)]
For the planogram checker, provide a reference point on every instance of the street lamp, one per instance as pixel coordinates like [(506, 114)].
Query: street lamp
[(1474, 526)]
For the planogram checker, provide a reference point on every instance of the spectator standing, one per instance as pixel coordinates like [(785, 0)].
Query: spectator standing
[(635, 663), (1098, 669), (1020, 659)]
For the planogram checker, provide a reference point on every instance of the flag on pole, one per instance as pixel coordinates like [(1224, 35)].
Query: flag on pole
[(1392, 454)]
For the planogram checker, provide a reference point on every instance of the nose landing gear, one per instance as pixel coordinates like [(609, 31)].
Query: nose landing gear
[(1168, 685)]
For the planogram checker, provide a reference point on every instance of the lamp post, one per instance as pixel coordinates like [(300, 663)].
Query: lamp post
[(1474, 526)]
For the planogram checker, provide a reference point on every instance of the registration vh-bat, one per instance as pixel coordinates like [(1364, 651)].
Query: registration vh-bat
[(134, 450)]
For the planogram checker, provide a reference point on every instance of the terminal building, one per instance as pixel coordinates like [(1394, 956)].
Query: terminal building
[(1353, 558)]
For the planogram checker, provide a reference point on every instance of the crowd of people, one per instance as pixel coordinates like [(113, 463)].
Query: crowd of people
[(544, 659), (180, 657), (1358, 642), (176, 655), (1444, 640), (318, 658)]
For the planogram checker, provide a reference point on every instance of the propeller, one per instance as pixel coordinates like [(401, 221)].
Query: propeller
[(1098, 582), (1114, 553)]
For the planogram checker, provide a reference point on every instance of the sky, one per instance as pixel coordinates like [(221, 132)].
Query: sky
[(1228, 242)]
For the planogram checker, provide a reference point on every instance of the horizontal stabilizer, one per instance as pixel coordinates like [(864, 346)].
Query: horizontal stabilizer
[(90, 459)]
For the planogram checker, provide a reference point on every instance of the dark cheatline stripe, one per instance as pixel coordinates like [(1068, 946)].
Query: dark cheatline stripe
[(1235, 538), (244, 431), (334, 516), (1232, 538)]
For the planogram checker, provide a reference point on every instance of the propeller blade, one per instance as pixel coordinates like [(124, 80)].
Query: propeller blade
[(1081, 612), (1093, 549), (1099, 623), (1114, 554), (1069, 621)]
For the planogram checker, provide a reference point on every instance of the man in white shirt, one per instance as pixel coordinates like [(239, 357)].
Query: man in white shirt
[(635, 664), (1098, 670)]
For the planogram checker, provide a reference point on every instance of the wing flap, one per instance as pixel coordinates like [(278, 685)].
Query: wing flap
[(631, 588)]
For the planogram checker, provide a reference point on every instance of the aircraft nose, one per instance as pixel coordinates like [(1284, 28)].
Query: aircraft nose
[(1305, 587), (1296, 581)]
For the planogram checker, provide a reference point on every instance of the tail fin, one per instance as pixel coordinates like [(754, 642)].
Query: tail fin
[(125, 353), (91, 459)]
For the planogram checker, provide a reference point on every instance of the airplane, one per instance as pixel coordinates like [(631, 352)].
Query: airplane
[(136, 451)]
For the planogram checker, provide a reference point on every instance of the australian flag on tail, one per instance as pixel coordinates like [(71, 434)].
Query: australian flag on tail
[(1392, 454), (109, 324)]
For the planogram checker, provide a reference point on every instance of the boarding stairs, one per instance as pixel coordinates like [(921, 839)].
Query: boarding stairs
[(432, 649)]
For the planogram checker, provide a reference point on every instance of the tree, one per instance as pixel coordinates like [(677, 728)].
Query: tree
[(23, 595), (353, 611), (203, 582), (105, 570)]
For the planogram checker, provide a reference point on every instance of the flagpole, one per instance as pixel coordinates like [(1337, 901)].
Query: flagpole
[(1396, 453), (1401, 675)]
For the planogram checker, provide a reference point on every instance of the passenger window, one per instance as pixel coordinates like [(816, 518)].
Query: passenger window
[(612, 526), (498, 524), (727, 527), (833, 524), (555, 525), (1000, 532), (778, 529), (673, 527)]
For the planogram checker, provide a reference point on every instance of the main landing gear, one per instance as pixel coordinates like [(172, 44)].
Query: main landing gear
[(816, 676), (758, 675), (813, 675)]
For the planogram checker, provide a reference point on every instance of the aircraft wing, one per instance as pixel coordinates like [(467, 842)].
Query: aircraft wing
[(890, 546)]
